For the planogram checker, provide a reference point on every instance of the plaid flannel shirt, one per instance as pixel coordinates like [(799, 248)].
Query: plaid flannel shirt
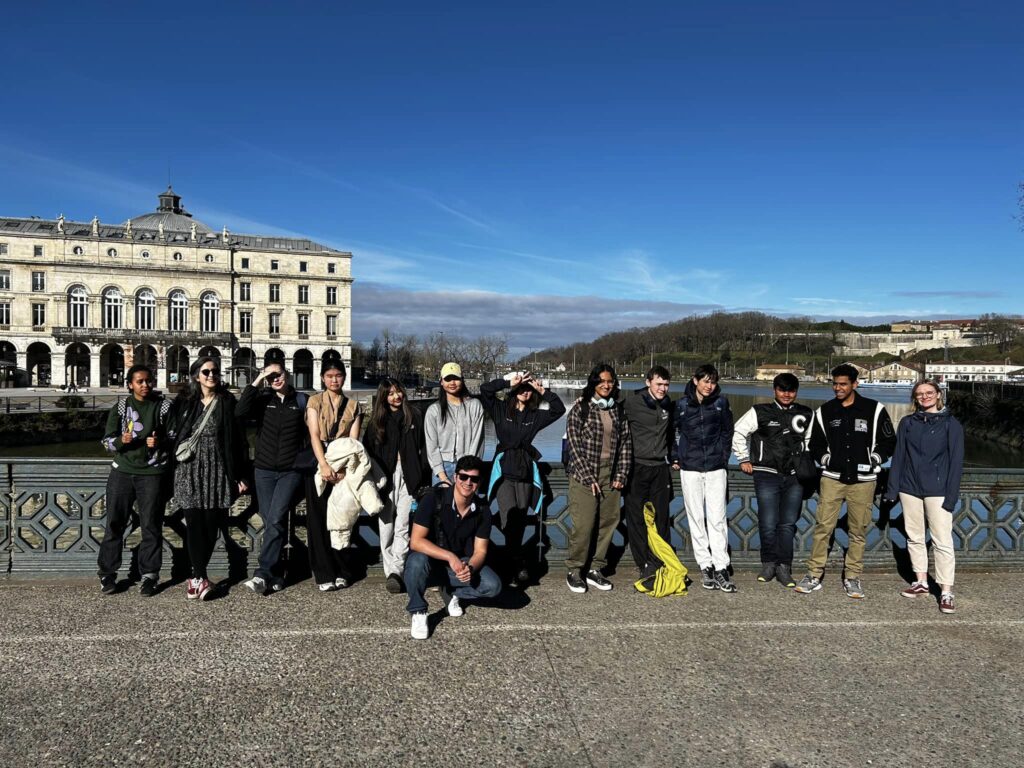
[(585, 445)]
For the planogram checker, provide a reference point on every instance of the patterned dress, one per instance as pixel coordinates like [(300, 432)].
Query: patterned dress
[(203, 482)]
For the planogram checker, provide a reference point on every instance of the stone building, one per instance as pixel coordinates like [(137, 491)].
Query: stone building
[(82, 302), (769, 371)]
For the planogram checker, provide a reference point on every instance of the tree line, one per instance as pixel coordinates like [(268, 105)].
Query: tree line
[(400, 355)]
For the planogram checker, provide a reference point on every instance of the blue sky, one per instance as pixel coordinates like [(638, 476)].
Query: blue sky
[(486, 162)]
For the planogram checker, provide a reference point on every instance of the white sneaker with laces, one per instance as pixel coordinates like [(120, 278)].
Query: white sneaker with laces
[(455, 607), (420, 630)]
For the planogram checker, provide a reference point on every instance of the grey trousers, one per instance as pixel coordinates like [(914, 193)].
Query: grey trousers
[(394, 536)]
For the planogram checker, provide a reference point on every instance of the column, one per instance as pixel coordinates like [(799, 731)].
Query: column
[(94, 371), (22, 363)]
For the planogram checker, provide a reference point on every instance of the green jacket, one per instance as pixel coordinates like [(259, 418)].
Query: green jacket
[(143, 418)]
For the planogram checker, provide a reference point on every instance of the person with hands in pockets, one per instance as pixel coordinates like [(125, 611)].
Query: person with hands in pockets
[(851, 438)]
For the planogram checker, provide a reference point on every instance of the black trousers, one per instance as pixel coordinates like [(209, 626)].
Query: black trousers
[(123, 492), (201, 529), (647, 484), (326, 563), (513, 506)]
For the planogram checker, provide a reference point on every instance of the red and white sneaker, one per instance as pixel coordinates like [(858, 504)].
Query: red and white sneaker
[(946, 604), (192, 588), (205, 589), (915, 590)]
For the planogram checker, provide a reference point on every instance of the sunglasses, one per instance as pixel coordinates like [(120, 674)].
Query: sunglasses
[(453, 378), (271, 377), (210, 372), (474, 479)]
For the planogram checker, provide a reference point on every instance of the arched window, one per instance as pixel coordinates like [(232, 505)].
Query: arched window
[(78, 307), (210, 317), (179, 311), (145, 310), (113, 306)]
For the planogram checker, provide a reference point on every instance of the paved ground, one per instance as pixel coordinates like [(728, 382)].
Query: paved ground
[(761, 678)]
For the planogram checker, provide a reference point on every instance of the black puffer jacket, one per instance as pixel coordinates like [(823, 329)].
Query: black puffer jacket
[(280, 426), (704, 430)]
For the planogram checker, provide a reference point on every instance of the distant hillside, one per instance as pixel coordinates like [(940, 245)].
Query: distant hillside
[(737, 338)]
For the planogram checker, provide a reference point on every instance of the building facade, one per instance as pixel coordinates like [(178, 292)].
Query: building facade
[(80, 303), (974, 371), (769, 371)]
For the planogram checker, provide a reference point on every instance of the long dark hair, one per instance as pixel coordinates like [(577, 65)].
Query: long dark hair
[(531, 405), (194, 393), (592, 381), (442, 399), (382, 410)]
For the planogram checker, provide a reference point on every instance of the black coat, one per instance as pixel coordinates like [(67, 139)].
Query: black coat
[(704, 430), (412, 452), (516, 431), (281, 431)]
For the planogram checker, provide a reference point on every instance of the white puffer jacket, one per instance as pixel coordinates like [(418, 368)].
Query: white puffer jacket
[(354, 492)]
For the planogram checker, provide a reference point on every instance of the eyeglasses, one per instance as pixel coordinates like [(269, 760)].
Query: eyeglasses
[(453, 378), (210, 372), (922, 395), (474, 479)]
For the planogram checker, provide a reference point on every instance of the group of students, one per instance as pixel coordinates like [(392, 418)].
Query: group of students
[(422, 476)]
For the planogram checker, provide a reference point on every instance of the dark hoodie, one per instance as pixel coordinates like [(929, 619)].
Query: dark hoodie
[(929, 458), (704, 430)]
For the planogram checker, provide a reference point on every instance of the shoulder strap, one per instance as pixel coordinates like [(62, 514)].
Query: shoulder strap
[(301, 398), (337, 421)]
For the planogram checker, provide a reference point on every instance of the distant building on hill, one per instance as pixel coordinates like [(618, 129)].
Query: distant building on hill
[(900, 373), (769, 371), (974, 371)]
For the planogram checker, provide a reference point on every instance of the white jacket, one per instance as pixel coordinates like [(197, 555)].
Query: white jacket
[(355, 491)]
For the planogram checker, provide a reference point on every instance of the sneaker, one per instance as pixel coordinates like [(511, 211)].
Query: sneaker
[(205, 589), (723, 582), (148, 586), (520, 578), (946, 604), (575, 583), (192, 588), (853, 588), (341, 583), (328, 587), (784, 575), (455, 607), (707, 578), (257, 584), (915, 590), (108, 585), (767, 573), (393, 584), (420, 630), (597, 580), (808, 584), (276, 584)]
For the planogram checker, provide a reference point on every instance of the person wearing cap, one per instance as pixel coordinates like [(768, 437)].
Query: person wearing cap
[(453, 426)]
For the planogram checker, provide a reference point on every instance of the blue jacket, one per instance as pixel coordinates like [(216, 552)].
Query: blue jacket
[(703, 430), (929, 458)]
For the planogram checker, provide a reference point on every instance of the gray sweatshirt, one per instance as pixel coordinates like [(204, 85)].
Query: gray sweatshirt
[(461, 434)]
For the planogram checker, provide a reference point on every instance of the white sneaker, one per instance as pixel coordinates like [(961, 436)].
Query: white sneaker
[(420, 630), (455, 607), (257, 585)]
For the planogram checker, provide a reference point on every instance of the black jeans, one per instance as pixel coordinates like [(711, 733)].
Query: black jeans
[(653, 484), (779, 499), (201, 529), (123, 492), (326, 563)]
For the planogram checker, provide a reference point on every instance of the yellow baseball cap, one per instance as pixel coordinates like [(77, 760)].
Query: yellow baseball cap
[(451, 369)]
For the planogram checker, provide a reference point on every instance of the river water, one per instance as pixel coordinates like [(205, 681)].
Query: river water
[(978, 453)]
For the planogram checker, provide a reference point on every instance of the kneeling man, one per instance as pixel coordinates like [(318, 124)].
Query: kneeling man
[(450, 533)]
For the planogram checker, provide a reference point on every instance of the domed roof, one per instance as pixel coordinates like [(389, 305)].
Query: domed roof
[(171, 214)]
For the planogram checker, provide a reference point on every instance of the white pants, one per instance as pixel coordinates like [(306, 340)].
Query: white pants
[(704, 499), (394, 536), (940, 522)]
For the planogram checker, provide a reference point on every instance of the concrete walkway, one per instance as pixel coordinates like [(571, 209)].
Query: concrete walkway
[(761, 678)]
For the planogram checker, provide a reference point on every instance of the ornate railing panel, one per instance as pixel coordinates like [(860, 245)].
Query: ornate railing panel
[(52, 510)]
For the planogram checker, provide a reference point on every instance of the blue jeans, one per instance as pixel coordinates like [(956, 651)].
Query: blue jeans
[(779, 500), (275, 494), (449, 469), (421, 571)]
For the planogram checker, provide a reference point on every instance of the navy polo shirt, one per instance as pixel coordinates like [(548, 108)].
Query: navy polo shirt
[(459, 532)]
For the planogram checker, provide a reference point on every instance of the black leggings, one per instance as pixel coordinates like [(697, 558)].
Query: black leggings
[(202, 526)]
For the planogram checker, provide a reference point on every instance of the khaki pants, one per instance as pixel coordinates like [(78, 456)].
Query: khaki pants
[(858, 498), (584, 507), (940, 523)]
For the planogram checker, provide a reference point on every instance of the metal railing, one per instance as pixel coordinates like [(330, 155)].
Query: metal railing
[(52, 522)]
